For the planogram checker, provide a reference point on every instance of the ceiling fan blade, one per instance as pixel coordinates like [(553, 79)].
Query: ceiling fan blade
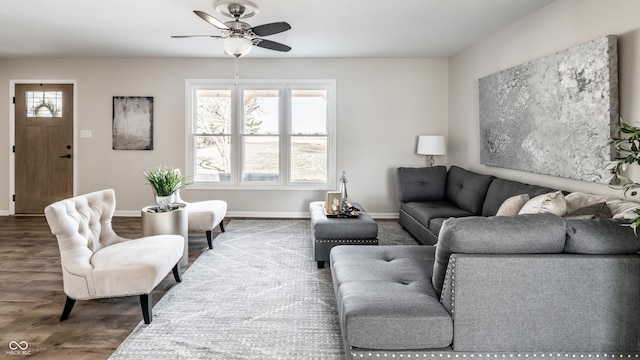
[(211, 20), (197, 36), (270, 29), (271, 45)]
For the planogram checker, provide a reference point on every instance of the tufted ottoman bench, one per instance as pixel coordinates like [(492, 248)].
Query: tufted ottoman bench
[(329, 232), (385, 299)]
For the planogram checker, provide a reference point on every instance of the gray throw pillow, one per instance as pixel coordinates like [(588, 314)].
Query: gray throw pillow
[(593, 211)]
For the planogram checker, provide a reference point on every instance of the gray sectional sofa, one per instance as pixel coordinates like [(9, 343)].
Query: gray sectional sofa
[(526, 286), (428, 196)]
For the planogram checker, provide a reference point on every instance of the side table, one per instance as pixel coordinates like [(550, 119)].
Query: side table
[(174, 222)]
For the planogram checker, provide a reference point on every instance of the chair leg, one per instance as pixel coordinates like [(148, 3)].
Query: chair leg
[(146, 303), (67, 308), (209, 240), (222, 225), (176, 273)]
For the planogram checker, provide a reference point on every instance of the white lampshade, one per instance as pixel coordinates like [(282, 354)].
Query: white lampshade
[(236, 46), (431, 145)]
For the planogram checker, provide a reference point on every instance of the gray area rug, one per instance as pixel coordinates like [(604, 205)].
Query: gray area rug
[(258, 294)]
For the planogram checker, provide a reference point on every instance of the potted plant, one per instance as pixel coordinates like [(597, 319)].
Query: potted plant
[(627, 146), (165, 181)]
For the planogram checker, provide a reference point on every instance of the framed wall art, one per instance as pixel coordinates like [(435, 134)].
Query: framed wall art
[(132, 123)]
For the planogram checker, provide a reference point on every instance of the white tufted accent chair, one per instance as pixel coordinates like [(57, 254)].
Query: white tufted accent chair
[(204, 215), (97, 263)]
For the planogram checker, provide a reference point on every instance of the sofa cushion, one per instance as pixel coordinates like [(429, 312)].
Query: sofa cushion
[(467, 189), (502, 189), (385, 298), (553, 203), (436, 224), (421, 184), (524, 234), (600, 236), (593, 211), (423, 212), (512, 206)]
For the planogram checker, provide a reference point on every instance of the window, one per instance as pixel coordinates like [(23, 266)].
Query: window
[(261, 134), (44, 103)]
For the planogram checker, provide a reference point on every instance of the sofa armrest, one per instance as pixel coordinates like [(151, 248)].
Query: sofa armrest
[(524, 234), (556, 302)]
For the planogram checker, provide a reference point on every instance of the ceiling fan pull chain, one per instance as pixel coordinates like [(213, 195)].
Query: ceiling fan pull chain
[(237, 72)]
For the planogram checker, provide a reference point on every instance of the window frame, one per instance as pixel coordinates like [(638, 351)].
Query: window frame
[(285, 88)]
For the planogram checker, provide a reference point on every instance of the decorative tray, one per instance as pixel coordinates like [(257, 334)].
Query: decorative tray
[(349, 212)]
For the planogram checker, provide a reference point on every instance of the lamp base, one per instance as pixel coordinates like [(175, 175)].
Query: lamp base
[(430, 160)]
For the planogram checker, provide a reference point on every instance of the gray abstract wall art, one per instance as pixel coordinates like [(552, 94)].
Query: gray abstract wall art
[(553, 115), (132, 123)]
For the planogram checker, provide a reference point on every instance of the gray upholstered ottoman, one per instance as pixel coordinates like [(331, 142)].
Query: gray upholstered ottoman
[(329, 232)]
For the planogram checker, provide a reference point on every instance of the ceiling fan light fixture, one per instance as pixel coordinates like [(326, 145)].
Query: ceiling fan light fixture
[(237, 46)]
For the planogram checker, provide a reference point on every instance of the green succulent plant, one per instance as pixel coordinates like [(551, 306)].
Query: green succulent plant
[(166, 180), (627, 146)]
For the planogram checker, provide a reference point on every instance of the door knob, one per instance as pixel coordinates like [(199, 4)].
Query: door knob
[(68, 156)]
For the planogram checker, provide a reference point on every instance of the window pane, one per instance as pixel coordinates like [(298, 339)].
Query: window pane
[(44, 103), (261, 158), (213, 112), (261, 113), (309, 158), (213, 158), (309, 112)]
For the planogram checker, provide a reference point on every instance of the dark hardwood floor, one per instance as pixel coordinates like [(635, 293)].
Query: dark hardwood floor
[(32, 297)]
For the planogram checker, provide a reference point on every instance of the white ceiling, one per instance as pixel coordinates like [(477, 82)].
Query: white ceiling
[(320, 28)]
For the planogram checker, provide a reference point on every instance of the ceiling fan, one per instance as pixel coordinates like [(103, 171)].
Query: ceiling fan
[(238, 36)]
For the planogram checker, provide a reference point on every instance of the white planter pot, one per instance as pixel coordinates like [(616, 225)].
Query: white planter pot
[(164, 202)]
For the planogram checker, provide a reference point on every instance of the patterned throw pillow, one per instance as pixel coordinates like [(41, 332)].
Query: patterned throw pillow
[(593, 211)]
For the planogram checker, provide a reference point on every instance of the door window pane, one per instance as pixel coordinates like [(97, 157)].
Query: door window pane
[(44, 103)]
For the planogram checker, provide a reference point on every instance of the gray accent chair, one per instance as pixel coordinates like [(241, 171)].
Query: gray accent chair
[(529, 286)]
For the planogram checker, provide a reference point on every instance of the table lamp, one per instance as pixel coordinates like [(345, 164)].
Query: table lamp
[(431, 145)]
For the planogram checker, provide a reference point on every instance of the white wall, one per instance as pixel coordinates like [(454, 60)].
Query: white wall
[(557, 26), (382, 105)]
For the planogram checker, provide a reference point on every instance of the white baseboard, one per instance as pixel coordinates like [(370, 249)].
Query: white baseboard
[(296, 215), (127, 213), (257, 214)]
